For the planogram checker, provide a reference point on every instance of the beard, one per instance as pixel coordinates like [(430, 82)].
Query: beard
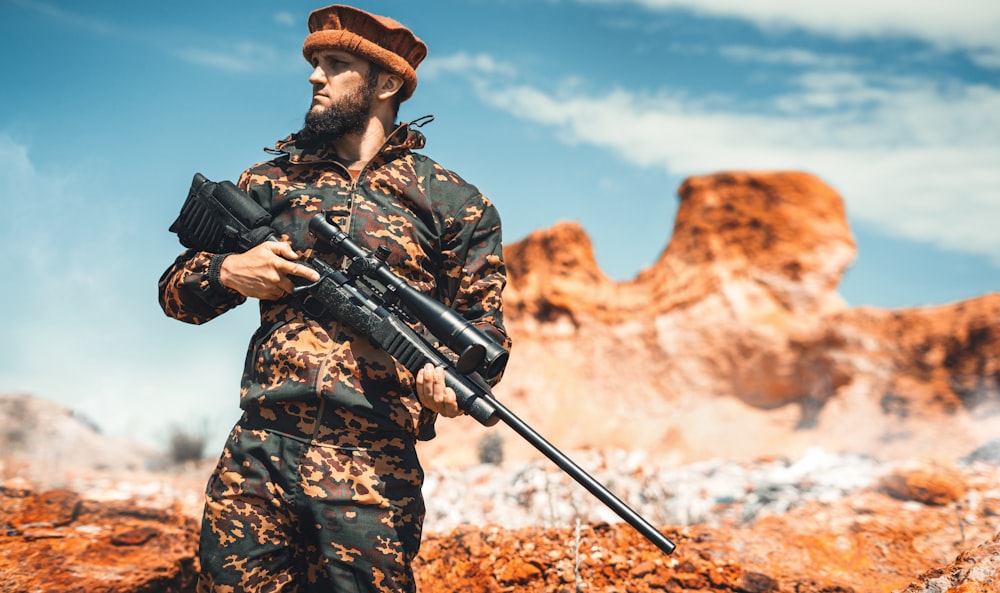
[(349, 115)]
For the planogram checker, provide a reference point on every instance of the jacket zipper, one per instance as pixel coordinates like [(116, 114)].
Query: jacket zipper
[(319, 416), (350, 218)]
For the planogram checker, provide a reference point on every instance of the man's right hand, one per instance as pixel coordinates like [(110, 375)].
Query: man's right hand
[(264, 271)]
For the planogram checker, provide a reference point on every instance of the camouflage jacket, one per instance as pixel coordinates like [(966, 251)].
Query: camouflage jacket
[(445, 240)]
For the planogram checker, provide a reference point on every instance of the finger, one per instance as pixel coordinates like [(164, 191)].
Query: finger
[(284, 284), (276, 291), (303, 272), (287, 268), (440, 393), (422, 381), (281, 248), (427, 389), (444, 395)]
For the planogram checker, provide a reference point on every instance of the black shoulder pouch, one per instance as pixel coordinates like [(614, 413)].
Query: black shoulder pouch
[(219, 218)]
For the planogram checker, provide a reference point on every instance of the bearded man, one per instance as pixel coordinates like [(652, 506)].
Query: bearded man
[(318, 487)]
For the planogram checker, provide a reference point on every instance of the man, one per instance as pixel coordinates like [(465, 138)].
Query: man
[(318, 486)]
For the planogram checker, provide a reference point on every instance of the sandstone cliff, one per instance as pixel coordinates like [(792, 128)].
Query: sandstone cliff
[(735, 342)]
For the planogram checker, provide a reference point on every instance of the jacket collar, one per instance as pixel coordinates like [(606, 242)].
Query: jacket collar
[(402, 140)]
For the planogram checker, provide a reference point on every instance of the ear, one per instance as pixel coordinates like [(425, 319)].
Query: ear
[(388, 85)]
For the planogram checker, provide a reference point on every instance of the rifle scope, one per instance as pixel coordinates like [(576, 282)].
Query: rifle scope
[(476, 351)]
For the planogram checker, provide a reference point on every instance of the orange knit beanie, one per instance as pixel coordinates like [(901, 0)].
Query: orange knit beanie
[(377, 38)]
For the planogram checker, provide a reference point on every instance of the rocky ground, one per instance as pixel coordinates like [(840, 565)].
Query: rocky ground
[(824, 522)]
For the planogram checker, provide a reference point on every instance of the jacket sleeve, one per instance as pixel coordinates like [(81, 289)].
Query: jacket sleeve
[(190, 289), (474, 272)]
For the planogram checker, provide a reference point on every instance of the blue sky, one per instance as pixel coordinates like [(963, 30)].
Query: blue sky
[(583, 110)]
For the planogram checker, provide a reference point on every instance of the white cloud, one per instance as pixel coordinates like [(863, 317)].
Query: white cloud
[(913, 157), (243, 56), (236, 56), (286, 18), (464, 63), (791, 56), (969, 25), (93, 26), (14, 157)]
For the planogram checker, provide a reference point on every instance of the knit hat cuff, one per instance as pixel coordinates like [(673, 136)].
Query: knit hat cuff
[(355, 44)]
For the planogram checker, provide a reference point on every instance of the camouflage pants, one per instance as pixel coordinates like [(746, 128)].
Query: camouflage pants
[(287, 510)]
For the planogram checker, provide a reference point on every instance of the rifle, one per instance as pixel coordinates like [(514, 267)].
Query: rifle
[(366, 295)]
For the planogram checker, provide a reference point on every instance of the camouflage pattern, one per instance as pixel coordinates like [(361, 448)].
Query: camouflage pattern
[(292, 506), (321, 477), (444, 239)]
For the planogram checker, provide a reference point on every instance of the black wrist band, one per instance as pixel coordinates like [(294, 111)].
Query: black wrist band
[(214, 267)]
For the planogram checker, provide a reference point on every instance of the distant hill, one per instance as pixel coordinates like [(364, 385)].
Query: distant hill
[(42, 440)]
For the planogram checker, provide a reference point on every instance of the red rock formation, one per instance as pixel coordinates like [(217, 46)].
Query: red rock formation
[(764, 241), (737, 324), (974, 571), (56, 541)]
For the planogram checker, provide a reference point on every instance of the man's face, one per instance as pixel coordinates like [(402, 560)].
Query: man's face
[(343, 86)]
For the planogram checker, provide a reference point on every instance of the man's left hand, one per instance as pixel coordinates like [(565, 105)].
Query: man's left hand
[(434, 394)]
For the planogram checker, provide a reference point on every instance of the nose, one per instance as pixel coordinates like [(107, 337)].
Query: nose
[(317, 76)]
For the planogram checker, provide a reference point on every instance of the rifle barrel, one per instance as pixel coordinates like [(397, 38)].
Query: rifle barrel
[(582, 477)]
